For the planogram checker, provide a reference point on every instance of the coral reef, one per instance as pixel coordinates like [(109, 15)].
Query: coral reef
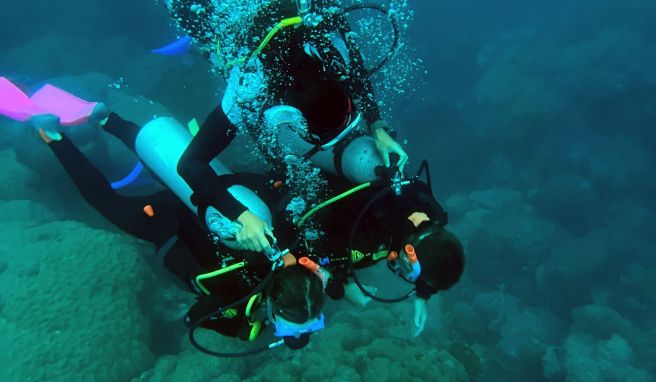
[(69, 293)]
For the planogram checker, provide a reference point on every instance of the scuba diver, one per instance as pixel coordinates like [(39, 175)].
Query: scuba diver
[(288, 60), (307, 76), (394, 220), (238, 292)]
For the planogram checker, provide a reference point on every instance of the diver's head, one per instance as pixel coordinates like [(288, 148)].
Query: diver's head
[(441, 256), (294, 305)]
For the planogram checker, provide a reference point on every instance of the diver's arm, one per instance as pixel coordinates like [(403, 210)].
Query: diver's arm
[(211, 190), (194, 166)]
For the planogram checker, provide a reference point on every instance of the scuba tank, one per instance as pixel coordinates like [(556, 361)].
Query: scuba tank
[(160, 144), (355, 158)]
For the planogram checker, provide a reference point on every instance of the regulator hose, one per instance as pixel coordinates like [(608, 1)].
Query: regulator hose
[(395, 29)]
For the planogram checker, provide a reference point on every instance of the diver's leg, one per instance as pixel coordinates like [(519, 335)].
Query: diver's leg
[(127, 213), (122, 129)]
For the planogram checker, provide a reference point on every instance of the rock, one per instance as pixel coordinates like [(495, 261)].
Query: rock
[(601, 322), (551, 366), (590, 360), (569, 200), (576, 259), (25, 211), (495, 198)]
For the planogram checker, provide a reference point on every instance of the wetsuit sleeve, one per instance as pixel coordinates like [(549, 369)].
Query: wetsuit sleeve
[(359, 84), (194, 167), (423, 290)]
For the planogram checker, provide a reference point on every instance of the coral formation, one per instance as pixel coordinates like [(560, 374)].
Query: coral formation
[(80, 288)]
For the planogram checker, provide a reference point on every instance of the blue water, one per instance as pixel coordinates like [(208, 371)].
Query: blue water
[(536, 118)]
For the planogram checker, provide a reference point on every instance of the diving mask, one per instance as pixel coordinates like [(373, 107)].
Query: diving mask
[(285, 328)]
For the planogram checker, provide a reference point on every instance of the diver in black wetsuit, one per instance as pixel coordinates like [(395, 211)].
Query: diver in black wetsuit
[(406, 230), (316, 68), (219, 276)]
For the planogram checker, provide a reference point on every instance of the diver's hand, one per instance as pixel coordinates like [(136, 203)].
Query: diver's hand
[(386, 145), (421, 314), (252, 235)]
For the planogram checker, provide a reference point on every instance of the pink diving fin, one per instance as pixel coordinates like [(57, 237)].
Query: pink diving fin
[(15, 104), (70, 109)]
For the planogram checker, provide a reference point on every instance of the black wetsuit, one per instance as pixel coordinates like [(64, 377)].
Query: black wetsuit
[(295, 78), (193, 253)]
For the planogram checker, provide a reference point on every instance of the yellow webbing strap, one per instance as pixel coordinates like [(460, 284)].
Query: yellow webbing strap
[(218, 272)]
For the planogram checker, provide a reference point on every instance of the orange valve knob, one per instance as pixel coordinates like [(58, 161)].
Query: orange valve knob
[(148, 210), (393, 255), (309, 264), (410, 251)]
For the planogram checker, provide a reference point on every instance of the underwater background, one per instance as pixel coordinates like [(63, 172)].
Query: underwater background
[(537, 118)]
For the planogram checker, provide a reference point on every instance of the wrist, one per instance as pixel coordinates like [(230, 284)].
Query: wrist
[(378, 127), (245, 214), (381, 129)]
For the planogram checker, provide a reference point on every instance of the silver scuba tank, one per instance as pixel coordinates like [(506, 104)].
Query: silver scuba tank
[(287, 129), (160, 144)]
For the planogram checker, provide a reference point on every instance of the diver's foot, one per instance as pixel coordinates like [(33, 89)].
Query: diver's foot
[(354, 295), (99, 114), (49, 136), (48, 122), (47, 125)]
